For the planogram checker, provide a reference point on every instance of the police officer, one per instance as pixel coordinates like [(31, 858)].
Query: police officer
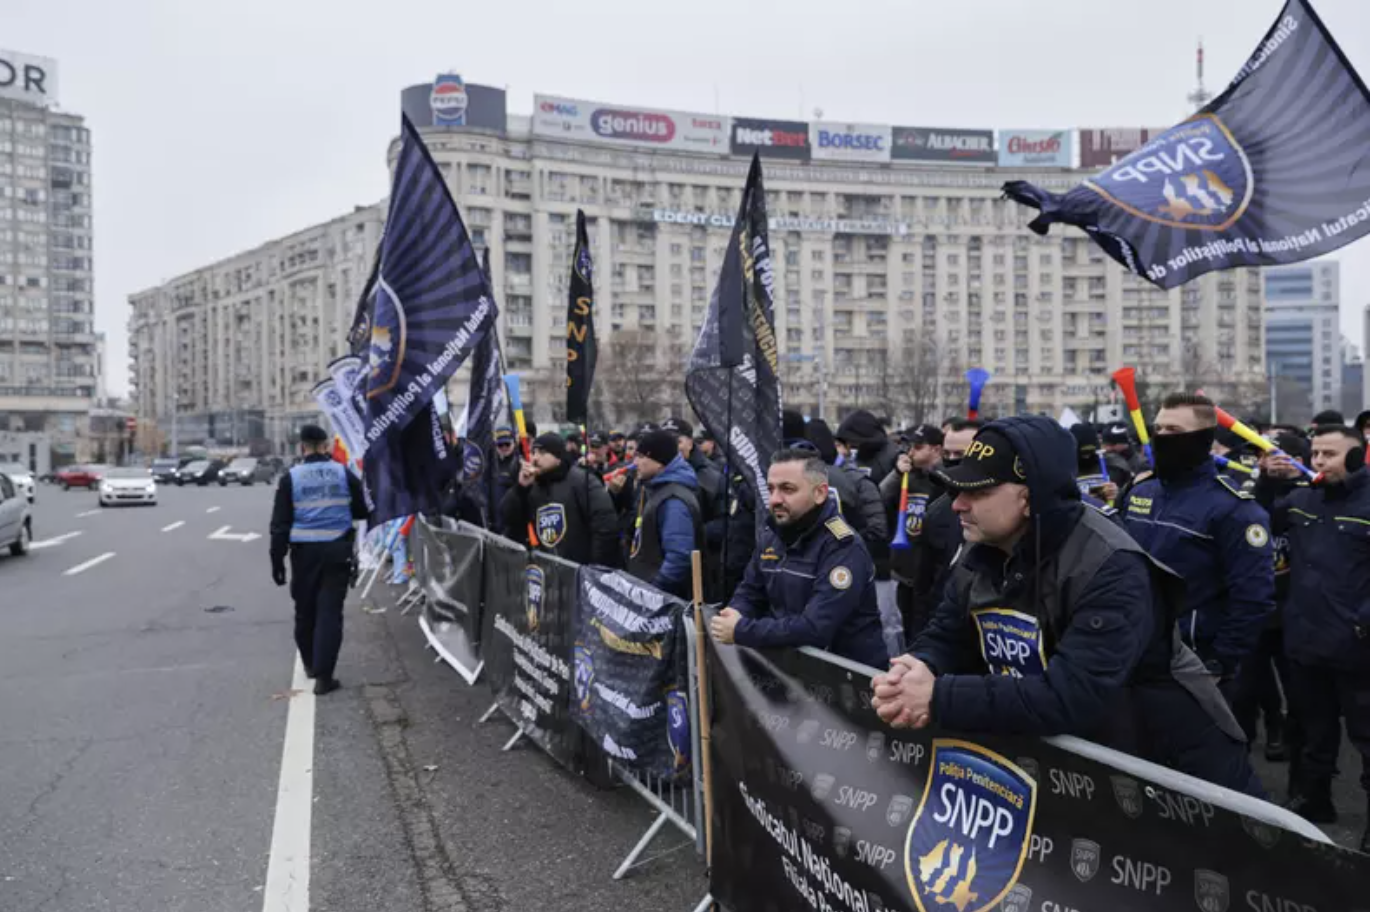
[(569, 510), (1210, 532), (1055, 622), (857, 494), (312, 519), (811, 582), (668, 523), (1326, 619)]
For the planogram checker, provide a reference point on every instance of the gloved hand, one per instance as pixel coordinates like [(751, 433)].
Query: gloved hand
[(279, 574)]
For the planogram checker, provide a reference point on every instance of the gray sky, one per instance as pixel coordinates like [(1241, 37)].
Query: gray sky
[(219, 126)]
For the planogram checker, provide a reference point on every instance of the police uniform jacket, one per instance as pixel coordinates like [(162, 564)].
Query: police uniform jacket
[(1213, 534), (571, 513), (812, 586), (334, 521), (1326, 618), (1069, 634)]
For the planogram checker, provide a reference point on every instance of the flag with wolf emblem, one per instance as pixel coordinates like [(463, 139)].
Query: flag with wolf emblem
[(1274, 170), (732, 378)]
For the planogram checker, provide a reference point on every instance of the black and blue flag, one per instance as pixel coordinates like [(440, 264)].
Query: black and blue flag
[(486, 409), (1274, 170), (581, 343)]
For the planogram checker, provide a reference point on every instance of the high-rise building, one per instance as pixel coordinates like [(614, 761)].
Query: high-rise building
[(895, 269), (1303, 337), (49, 359)]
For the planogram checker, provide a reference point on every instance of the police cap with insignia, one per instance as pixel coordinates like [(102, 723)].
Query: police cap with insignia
[(503, 434), (990, 461), (313, 433)]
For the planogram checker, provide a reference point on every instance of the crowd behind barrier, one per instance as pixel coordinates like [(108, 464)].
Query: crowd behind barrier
[(813, 802)]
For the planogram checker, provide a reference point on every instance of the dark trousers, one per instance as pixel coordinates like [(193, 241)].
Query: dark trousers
[(319, 583), (1325, 696), (1256, 688)]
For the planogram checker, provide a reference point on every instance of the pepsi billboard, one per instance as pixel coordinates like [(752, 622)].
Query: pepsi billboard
[(450, 103), (935, 144), (789, 139)]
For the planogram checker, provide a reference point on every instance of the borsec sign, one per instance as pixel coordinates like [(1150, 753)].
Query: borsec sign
[(851, 142), (26, 78)]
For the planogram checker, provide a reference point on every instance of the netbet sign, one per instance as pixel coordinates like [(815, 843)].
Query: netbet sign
[(29, 79), (770, 139)]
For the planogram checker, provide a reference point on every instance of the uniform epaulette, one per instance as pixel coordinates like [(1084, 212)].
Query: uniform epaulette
[(839, 528), (1229, 485)]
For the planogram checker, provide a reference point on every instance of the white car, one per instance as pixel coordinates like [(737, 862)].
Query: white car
[(20, 477), (127, 486), (16, 519)]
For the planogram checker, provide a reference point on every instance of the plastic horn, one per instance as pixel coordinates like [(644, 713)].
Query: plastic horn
[(900, 541), (1102, 465), (1232, 465), (513, 391), (977, 379), (1125, 378), (1248, 434)]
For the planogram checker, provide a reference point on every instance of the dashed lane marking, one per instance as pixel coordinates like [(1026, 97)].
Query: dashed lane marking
[(81, 568), (88, 513), (212, 509), (55, 540), (176, 525)]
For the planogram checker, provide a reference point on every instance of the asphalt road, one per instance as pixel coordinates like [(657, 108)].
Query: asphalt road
[(145, 682)]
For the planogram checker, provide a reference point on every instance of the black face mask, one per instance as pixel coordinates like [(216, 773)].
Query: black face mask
[(1178, 454), (951, 463)]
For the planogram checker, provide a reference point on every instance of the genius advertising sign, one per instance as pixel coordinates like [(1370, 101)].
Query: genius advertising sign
[(628, 125)]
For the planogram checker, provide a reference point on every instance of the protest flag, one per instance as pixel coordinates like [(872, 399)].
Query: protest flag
[(581, 344), (732, 377), (1274, 170)]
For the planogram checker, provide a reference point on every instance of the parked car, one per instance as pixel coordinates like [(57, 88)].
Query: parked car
[(16, 518), (127, 486), (246, 471), (201, 472), (164, 470), (21, 477), (80, 476)]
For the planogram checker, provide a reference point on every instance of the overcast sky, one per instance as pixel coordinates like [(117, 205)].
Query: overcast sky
[(219, 126)]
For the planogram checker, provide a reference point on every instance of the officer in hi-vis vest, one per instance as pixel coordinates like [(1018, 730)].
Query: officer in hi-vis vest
[(312, 518)]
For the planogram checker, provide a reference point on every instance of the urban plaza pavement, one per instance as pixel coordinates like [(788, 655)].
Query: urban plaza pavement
[(146, 666)]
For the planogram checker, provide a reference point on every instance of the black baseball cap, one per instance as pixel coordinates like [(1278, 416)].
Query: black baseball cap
[(679, 426), (549, 443), (313, 433), (1116, 433), (598, 440), (504, 434), (990, 461), (924, 435)]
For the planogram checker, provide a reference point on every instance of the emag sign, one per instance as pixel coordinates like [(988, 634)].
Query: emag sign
[(784, 223), (1035, 148), (789, 139), (933, 144), (591, 121), (851, 142)]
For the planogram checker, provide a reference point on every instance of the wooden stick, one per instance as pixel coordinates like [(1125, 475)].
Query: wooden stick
[(703, 692)]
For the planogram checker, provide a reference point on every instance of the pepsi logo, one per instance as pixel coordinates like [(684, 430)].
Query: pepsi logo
[(634, 125)]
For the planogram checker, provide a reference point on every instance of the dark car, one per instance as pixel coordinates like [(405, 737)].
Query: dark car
[(164, 471), (80, 476), (246, 471), (200, 472)]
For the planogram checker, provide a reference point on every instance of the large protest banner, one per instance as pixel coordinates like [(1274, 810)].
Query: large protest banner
[(532, 599), (629, 672), (1274, 170), (817, 805), (448, 566)]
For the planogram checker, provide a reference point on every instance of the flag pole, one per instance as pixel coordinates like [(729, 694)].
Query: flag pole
[(703, 696)]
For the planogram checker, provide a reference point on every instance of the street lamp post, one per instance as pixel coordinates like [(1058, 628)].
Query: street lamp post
[(176, 450)]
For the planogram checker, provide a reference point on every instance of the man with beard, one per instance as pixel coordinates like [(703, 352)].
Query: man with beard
[(712, 496), (811, 581), (668, 525), (570, 510), (1055, 622), (941, 535), (1210, 532)]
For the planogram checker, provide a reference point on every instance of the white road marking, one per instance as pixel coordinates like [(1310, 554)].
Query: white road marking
[(212, 509), (88, 564), (287, 888), (223, 534), (55, 540), (88, 513), (176, 525)]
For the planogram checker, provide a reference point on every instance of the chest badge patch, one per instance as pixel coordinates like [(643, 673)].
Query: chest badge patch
[(1011, 641)]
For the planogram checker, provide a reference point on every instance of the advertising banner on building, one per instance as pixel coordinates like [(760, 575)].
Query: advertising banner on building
[(629, 672), (451, 103), (448, 567), (789, 139), (533, 598), (1100, 147), (1035, 148), (821, 806), (629, 125), (938, 144), (851, 142)]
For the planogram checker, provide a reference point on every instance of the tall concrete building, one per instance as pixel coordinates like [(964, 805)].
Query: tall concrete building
[(49, 352), (896, 266), (1302, 324)]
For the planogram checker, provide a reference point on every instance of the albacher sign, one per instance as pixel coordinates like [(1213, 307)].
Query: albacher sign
[(944, 145), (780, 223), (590, 121)]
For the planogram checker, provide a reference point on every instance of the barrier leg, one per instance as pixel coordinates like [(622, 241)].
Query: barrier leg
[(704, 904), (491, 711), (640, 846), (514, 740)]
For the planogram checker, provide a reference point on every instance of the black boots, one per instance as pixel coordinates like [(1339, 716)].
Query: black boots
[(326, 685), (1275, 746), (1314, 807)]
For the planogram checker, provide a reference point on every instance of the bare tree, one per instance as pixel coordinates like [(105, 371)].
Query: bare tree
[(632, 377), (908, 383)]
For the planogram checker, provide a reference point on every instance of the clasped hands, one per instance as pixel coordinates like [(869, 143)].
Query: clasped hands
[(903, 694)]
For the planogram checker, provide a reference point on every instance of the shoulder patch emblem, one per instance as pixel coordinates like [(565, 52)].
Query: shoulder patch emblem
[(1229, 485), (841, 578), (839, 528), (1256, 535)]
